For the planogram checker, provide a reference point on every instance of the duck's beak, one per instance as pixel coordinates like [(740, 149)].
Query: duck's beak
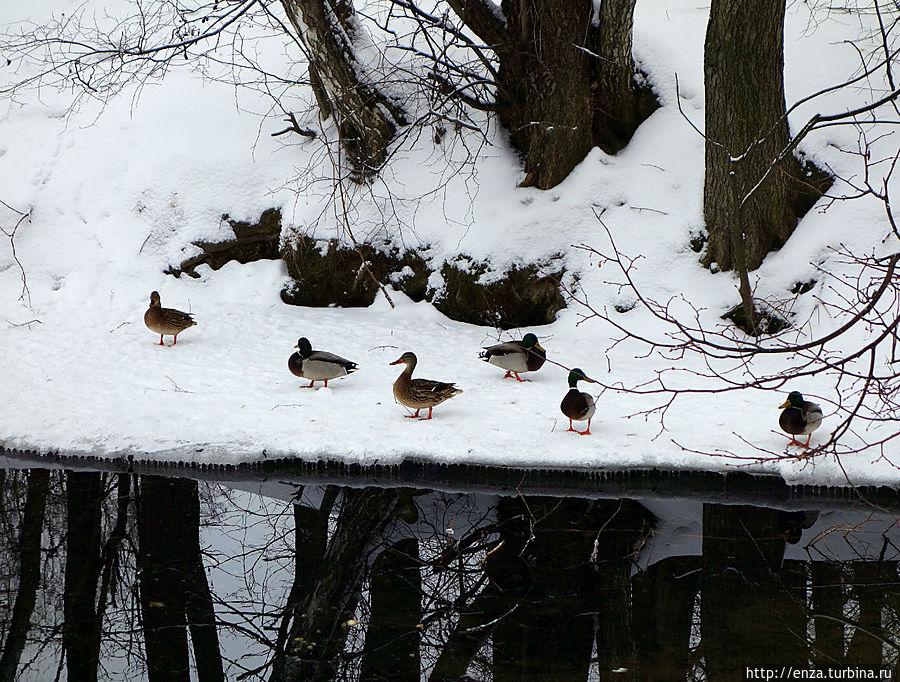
[(538, 346), (396, 362), (297, 346), (786, 403), (588, 379)]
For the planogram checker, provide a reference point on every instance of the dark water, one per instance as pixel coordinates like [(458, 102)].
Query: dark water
[(119, 576)]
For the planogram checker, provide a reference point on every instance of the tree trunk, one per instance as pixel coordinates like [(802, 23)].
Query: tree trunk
[(317, 633), (392, 638), (29, 572), (310, 542), (746, 129), (828, 600), (175, 593), (545, 84), (663, 606), (564, 83), (871, 581), (161, 581), (81, 629), (620, 103), (366, 119), (749, 595), (198, 601)]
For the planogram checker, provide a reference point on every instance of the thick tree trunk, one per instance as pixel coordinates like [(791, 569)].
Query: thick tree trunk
[(871, 582), (545, 85), (663, 605), (620, 103), (174, 591), (317, 633), (746, 129), (198, 600), (828, 600), (310, 542), (748, 599), (392, 638), (366, 119), (565, 84), (81, 629)]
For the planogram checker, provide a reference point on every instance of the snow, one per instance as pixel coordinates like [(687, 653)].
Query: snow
[(118, 191)]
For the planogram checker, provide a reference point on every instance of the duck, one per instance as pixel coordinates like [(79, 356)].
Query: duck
[(578, 405), (516, 357), (317, 365), (166, 321), (417, 394), (799, 417)]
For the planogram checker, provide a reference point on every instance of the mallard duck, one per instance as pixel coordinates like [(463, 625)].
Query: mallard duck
[(317, 365), (576, 404), (417, 394), (516, 356), (166, 321), (799, 417)]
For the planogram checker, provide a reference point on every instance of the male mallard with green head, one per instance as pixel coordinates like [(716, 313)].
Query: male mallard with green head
[(799, 417), (576, 404), (516, 357), (317, 365), (417, 394), (166, 321)]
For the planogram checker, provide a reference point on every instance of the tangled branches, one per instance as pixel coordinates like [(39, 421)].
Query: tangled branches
[(866, 307)]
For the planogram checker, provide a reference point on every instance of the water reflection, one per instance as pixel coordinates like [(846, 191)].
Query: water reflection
[(124, 576)]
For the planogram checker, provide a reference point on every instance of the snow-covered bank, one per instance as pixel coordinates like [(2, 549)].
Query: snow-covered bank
[(115, 197)]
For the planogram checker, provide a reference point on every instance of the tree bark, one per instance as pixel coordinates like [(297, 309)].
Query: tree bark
[(746, 130), (366, 119), (564, 84), (620, 103), (545, 86)]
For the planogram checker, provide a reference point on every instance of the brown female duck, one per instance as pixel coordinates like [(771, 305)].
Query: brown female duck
[(166, 321), (417, 394)]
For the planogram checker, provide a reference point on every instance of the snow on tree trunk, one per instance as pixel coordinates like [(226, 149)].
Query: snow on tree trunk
[(565, 82), (366, 119), (620, 103), (746, 128), (545, 84)]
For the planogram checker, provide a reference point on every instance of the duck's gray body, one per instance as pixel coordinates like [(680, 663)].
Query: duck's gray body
[(320, 366), (516, 357)]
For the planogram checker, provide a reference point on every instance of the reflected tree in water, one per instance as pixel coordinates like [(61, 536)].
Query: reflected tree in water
[(174, 593), (29, 562), (114, 576)]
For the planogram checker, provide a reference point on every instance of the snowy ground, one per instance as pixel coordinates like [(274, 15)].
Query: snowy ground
[(116, 194)]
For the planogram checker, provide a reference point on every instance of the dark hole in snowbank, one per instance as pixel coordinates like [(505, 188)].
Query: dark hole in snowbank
[(767, 321), (329, 273), (247, 243)]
